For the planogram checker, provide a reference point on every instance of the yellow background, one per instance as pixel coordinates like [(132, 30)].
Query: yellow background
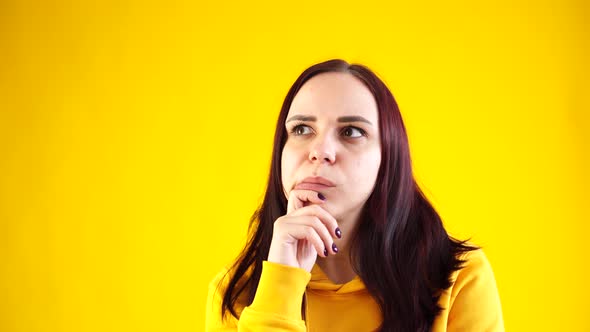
[(135, 140)]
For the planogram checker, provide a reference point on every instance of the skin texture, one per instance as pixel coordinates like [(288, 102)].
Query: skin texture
[(324, 141)]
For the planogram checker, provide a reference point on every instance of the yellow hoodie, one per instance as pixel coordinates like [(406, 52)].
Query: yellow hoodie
[(471, 303)]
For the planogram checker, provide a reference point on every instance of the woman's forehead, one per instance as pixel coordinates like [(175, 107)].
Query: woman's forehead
[(334, 95)]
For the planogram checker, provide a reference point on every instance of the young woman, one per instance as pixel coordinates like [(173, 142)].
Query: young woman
[(345, 240)]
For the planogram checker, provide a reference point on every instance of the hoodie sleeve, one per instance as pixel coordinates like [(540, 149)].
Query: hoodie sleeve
[(475, 299), (276, 306)]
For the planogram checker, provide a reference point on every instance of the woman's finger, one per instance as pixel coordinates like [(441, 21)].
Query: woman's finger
[(328, 221), (299, 198), (304, 229), (318, 227)]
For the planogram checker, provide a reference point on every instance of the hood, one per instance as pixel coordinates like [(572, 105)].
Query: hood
[(320, 283)]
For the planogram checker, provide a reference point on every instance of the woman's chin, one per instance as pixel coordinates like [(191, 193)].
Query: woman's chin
[(334, 211)]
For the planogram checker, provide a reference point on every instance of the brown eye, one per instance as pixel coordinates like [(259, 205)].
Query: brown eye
[(300, 130), (353, 132)]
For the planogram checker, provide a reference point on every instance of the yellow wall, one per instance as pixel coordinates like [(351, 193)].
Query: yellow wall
[(135, 140)]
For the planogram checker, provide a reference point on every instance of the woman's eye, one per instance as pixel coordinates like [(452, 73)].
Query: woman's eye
[(301, 130), (353, 132)]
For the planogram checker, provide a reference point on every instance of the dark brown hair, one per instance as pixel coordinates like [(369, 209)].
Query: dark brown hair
[(401, 251)]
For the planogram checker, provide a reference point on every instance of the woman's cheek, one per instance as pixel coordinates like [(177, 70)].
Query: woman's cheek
[(287, 170)]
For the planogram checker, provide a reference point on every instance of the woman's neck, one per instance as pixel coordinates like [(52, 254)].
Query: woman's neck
[(338, 267)]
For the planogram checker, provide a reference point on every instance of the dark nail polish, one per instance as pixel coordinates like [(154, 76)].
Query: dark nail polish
[(322, 197), (338, 233), (325, 252), (334, 248)]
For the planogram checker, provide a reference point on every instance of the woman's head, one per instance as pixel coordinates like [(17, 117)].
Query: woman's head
[(333, 132), (340, 122)]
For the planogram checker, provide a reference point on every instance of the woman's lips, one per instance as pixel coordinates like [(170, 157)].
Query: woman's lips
[(312, 186)]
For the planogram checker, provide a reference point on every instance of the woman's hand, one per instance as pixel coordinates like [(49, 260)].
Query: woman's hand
[(306, 231)]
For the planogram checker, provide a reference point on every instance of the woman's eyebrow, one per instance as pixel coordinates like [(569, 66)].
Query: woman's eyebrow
[(302, 118), (355, 118), (352, 118)]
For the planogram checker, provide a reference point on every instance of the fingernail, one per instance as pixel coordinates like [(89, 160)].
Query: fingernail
[(334, 248), (338, 233), (325, 252), (322, 197)]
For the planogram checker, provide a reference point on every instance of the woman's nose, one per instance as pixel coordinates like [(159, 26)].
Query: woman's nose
[(322, 151)]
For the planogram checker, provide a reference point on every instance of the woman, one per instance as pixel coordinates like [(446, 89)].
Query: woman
[(344, 239)]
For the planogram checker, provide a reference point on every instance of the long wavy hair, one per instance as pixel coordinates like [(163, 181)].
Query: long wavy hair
[(401, 250)]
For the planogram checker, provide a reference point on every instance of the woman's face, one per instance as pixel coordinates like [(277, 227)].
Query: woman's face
[(333, 133)]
